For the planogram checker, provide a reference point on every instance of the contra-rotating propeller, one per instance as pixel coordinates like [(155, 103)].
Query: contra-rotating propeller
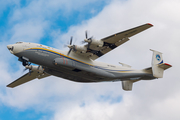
[(89, 40)]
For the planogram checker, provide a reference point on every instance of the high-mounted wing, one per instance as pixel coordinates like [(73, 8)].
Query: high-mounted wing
[(26, 78), (114, 41)]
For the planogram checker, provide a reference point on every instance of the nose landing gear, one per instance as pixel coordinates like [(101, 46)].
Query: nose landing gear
[(24, 60), (24, 63)]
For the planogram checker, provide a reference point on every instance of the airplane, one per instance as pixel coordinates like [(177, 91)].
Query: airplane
[(79, 65)]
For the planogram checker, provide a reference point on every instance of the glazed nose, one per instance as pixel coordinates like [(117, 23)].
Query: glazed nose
[(10, 48)]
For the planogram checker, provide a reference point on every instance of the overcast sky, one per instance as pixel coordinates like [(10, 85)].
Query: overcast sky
[(53, 22)]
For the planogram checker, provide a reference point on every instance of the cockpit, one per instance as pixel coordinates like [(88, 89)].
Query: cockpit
[(19, 42)]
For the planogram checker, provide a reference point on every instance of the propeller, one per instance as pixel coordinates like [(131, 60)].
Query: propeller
[(27, 64), (28, 67), (89, 40), (72, 47)]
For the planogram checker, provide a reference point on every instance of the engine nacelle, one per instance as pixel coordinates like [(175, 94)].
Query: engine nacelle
[(80, 48), (35, 68), (99, 43)]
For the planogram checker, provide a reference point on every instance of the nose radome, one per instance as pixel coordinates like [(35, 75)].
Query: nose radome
[(10, 48)]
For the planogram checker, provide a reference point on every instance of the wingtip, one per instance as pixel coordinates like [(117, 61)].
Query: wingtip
[(150, 24), (9, 86)]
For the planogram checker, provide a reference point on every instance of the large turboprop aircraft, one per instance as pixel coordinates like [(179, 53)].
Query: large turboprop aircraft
[(79, 65)]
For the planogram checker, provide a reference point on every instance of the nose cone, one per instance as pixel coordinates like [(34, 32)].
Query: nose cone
[(10, 48)]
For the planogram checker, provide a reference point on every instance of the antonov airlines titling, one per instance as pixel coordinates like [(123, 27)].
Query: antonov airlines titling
[(79, 65)]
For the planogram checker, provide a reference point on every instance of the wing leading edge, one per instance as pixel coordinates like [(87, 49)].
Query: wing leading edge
[(26, 78), (116, 40)]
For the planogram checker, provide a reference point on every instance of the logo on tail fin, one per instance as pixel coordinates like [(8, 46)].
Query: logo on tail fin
[(158, 57)]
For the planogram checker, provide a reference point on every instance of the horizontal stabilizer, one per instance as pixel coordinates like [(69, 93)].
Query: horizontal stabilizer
[(26, 78), (164, 66)]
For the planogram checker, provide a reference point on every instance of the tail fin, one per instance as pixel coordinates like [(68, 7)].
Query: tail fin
[(158, 66)]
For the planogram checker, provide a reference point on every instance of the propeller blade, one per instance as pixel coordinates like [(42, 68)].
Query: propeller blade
[(86, 34), (90, 38), (74, 48), (88, 45), (69, 51), (28, 64), (82, 42), (30, 72), (25, 69), (71, 40)]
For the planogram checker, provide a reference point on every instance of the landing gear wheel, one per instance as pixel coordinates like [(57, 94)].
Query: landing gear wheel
[(24, 63)]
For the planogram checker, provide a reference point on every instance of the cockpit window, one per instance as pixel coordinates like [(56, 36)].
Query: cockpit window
[(19, 42)]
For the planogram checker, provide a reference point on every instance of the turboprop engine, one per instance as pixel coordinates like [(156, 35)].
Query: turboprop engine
[(98, 43), (38, 69), (75, 48)]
